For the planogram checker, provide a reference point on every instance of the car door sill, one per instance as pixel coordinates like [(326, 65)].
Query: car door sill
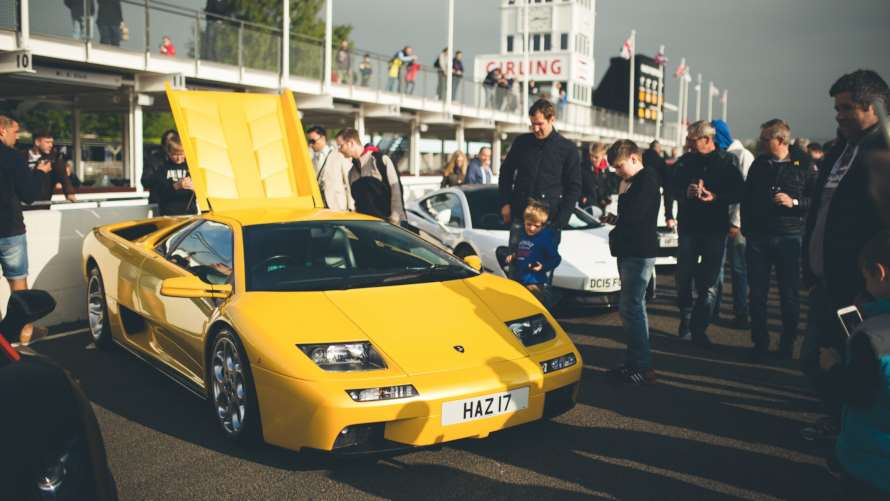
[(167, 371)]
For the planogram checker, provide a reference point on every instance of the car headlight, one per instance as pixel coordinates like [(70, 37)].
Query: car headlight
[(383, 393), (358, 356), (558, 363), (532, 330)]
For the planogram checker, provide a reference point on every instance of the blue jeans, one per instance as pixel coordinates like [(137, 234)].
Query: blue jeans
[(783, 253), (695, 316), (635, 273), (392, 84), (14, 257), (735, 253)]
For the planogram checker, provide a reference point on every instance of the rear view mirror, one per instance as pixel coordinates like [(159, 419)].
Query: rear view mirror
[(474, 262), (25, 307), (190, 286)]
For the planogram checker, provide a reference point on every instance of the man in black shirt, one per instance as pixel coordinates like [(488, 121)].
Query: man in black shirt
[(18, 185), (171, 183), (777, 195), (635, 243), (542, 165), (41, 150), (706, 182)]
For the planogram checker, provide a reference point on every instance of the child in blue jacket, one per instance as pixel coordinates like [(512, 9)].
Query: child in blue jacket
[(536, 253)]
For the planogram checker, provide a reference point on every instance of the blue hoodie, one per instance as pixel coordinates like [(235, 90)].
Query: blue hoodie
[(540, 248), (723, 137)]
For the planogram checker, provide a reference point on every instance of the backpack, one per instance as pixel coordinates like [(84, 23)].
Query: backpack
[(373, 196)]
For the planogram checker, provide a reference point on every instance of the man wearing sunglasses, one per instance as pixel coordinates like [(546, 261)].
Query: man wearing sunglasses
[(331, 170)]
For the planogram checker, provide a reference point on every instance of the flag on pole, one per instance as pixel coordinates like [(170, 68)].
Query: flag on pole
[(715, 91), (681, 71), (660, 58), (627, 49), (723, 97)]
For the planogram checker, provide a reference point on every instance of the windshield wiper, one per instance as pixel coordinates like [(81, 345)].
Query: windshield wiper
[(441, 271)]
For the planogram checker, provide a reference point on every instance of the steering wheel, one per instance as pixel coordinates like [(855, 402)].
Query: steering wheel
[(279, 261)]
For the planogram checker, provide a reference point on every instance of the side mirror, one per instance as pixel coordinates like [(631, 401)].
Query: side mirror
[(443, 217), (23, 308), (191, 286), (474, 262)]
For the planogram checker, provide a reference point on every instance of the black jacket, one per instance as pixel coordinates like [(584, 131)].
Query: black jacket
[(109, 13), (635, 233), (546, 170), (18, 184), (721, 177), (171, 202), (852, 221), (651, 158), (796, 178)]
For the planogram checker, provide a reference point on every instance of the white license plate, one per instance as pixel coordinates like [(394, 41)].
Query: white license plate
[(471, 409), (607, 284)]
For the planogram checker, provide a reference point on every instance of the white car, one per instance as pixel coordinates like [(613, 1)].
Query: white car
[(467, 220)]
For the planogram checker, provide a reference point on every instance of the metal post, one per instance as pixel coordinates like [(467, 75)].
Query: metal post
[(360, 122), (710, 100), (450, 62), (460, 136), (285, 43), (134, 141), (659, 98), (328, 44), (632, 86), (197, 40), (680, 104), (725, 101), (147, 33), (496, 151), (76, 154), (525, 64), (414, 145), (24, 34), (698, 99)]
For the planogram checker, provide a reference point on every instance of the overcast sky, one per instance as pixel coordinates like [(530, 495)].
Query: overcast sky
[(778, 58)]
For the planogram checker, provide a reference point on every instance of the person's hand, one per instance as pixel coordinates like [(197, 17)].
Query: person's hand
[(734, 232), (609, 218), (704, 195), (70, 197), (186, 183), (783, 199), (692, 190), (505, 213), (828, 358), (44, 166), (583, 201), (536, 267), (670, 223), (509, 258)]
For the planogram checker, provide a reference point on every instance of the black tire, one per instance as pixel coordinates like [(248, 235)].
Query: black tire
[(464, 250), (238, 417), (97, 309)]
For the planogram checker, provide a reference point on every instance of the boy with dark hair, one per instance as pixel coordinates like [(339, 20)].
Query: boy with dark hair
[(536, 253), (862, 383)]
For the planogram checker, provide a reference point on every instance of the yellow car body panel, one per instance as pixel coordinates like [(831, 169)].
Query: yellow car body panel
[(417, 328)]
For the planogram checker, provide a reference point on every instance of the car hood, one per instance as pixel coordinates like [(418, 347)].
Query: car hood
[(416, 327)]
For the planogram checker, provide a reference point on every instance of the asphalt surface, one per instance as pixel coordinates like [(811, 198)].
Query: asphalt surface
[(714, 427)]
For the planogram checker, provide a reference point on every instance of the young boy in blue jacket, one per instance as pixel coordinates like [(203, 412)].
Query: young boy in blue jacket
[(536, 253), (862, 383)]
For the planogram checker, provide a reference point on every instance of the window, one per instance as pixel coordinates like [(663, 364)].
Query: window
[(444, 208), (546, 41), (509, 43), (536, 42), (564, 41), (206, 252)]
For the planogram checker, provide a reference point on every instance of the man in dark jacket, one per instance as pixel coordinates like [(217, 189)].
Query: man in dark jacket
[(653, 158), (706, 182), (542, 165), (777, 195), (171, 184), (18, 185), (109, 22), (42, 150), (634, 242), (842, 218)]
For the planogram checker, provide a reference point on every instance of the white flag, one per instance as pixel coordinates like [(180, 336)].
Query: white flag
[(627, 49)]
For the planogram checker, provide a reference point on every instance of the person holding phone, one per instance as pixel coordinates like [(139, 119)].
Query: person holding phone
[(861, 381)]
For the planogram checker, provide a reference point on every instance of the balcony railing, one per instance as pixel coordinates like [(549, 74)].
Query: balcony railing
[(164, 29)]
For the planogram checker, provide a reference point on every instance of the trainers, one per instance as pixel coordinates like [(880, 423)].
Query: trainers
[(824, 429), (634, 377), (686, 337)]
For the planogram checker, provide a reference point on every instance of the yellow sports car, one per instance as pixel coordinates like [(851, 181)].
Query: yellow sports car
[(310, 328)]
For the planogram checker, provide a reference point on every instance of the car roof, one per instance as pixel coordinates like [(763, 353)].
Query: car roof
[(469, 188), (250, 217)]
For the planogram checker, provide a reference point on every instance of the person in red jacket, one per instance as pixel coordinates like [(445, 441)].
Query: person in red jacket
[(167, 47)]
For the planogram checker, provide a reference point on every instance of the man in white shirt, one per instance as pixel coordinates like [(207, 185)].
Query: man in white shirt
[(331, 170)]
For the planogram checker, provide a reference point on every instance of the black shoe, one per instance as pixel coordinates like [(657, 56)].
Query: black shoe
[(757, 355), (631, 376), (741, 323), (823, 429), (702, 342)]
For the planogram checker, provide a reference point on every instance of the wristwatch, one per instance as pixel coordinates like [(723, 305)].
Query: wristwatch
[(795, 202)]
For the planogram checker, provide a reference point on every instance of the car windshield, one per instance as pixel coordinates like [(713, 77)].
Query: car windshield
[(331, 255), (485, 212)]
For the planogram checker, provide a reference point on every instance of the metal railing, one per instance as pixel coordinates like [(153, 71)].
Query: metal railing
[(162, 29)]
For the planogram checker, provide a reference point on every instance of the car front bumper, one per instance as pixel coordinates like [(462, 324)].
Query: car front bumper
[(298, 414)]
